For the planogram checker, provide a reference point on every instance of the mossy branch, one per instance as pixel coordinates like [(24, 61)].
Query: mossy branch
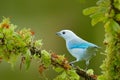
[(60, 61), (108, 12), (85, 75), (65, 64), (21, 43)]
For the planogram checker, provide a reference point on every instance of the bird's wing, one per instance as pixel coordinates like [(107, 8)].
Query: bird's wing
[(76, 43)]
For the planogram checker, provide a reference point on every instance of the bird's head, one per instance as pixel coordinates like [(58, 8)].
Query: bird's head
[(66, 34)]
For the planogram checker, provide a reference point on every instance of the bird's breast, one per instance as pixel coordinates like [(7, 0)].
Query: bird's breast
[(78, 53)]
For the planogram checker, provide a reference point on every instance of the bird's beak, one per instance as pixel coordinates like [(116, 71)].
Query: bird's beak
[(58, 33)]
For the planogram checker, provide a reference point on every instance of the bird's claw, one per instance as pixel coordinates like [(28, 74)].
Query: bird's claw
[(71, 64)]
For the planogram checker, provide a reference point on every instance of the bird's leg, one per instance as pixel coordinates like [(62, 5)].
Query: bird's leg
[(72, 63), (87, 63)]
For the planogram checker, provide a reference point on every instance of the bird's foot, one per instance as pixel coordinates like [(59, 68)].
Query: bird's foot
[(71, 64)]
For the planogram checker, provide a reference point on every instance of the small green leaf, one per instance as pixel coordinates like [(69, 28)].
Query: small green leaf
[(62, 76), (103, 3), (101, 77), (1, 35), (112, 13), (27, 59), (38, 43), (73, 75), (115, 26), (13, 59), (58, 69), (97, 17), (45, 58), (117, 4), (117, 17), (68, 75), (90, 10), (90, 71), (112, 26)]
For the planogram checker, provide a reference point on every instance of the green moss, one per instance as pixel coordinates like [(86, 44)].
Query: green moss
[(109, 10)]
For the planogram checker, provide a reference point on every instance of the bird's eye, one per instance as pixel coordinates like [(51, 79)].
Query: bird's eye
[(63, 32)]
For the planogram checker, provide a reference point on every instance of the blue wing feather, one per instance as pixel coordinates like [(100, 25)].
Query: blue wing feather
[(79, 44)]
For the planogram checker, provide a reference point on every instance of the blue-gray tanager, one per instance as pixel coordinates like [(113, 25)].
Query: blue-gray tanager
[(78, 48)]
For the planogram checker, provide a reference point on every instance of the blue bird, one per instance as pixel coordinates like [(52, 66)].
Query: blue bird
[(77, 47)]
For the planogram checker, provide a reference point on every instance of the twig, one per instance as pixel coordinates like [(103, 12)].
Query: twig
[(83, 74), (79, 71)]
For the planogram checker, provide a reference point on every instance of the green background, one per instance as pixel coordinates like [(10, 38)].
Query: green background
[(45, 18)]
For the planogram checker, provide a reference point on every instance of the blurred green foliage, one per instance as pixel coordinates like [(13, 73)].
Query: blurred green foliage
[(45, 18), (107, 12)]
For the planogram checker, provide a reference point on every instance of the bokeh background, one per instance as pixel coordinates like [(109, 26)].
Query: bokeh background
[(45, 18)]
